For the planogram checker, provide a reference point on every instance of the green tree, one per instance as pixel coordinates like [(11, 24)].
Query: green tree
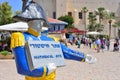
[(101, 13), (99, 27), (110, 16), (84, 11), (16, 13), (115, 25), (68, 19), (5, 13), (92, 22)]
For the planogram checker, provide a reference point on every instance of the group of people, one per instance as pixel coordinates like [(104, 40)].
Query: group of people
[(84, 41), (105, 43), (4, 46), (100, 43)]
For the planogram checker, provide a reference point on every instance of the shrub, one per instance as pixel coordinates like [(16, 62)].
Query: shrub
[(4, 53)]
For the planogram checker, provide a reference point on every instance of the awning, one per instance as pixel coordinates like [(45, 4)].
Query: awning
[(75, 30)]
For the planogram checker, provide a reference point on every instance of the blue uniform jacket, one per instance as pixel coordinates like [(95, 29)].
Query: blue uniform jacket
[(21, 61)]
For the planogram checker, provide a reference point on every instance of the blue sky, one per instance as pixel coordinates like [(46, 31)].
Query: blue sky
[(16, 4)]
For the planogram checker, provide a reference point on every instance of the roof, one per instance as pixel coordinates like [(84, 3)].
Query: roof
[(55, 21)]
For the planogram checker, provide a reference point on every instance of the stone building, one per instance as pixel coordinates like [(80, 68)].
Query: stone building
[(57, 8)]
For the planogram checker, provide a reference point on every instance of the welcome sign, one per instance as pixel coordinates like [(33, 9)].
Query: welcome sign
[(41, 53)]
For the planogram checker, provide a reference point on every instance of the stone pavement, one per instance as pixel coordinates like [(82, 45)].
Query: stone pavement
[(107, 67)]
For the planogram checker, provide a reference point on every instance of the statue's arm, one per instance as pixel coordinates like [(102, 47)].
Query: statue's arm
[(76, 55), (72, 54)]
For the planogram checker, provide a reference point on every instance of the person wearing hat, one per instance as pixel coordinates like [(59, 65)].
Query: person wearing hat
[(35, 17)]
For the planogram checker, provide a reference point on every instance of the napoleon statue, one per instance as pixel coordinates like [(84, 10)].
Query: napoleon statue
[(34, 15)]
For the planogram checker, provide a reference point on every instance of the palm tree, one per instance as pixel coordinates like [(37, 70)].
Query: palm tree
[(110, 22), (110, 16), (115, 25), (100, 12), (85, 10), (92, 22), (99, 27)]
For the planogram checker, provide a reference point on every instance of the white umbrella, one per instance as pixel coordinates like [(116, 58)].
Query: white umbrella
[(93, 33), (18, 26)]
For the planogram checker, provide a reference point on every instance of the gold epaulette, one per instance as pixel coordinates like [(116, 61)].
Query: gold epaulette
[(17, 39), (54, 38)]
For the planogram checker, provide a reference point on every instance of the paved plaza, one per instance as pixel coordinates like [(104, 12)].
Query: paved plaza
[(107, 67)]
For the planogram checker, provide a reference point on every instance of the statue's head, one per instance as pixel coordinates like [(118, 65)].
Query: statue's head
[(34, 15)]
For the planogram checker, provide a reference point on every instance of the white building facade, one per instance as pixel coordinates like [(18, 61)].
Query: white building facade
[(57, 8)]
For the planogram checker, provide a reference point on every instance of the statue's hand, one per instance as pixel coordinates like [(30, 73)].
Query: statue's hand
[(51, 68), (90, 59), (17, 39)]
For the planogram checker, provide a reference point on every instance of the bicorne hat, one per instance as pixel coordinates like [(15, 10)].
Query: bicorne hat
[(32, 12)]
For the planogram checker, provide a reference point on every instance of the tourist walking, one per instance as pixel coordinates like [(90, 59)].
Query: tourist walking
[(98, 43), (102, 44), (108, 43), (78, 42), (116, 45), (90, 42)]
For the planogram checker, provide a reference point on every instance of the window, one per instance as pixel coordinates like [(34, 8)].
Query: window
[(90, 13), (70, 13), (54, 15), (80, 15), (54, 28), (59, 27)]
